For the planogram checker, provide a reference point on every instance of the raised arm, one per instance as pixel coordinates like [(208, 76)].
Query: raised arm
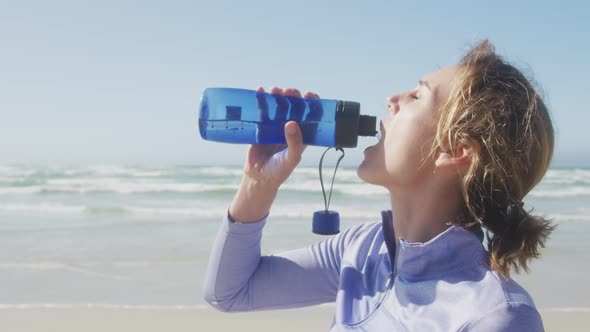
[(238, 278)]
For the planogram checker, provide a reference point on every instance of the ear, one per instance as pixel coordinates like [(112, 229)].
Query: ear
[(460, 160)]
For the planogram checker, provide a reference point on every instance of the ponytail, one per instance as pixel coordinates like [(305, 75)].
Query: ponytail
[(516, 239), (514, 235)]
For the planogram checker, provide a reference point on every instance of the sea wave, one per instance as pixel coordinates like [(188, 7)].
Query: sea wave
[(286, 211), (11, 172), (41, 208), (558, 183), (562, 176), (353, 189), (215, 171), (20, 190), (565, 192), (280, 211), (15, 171), (116, 186), (116, 170), (578, 216), (124, 186), (341, 174), (567, 177), (18, 172)]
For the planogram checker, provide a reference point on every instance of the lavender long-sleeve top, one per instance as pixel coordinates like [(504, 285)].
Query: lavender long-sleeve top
[(445, 284)]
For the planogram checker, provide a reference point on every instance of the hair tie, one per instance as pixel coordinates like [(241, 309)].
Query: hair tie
[(515, 212)]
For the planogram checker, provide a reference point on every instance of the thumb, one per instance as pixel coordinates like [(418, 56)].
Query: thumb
[(295, 145)]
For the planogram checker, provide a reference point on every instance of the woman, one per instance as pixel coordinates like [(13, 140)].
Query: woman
[(457, 155)]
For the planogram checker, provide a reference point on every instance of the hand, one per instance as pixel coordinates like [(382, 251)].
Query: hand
[(267, 166), (271, 164)]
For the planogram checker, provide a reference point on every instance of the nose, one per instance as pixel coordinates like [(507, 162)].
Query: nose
[(393, 103)]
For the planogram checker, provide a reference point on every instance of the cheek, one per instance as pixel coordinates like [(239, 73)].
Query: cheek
[(407, 147)]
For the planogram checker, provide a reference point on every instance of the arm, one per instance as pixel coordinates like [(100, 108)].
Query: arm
[(508, 317), (240, 279)]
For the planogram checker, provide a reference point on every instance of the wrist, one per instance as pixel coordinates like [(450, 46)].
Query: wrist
[(252, 201)]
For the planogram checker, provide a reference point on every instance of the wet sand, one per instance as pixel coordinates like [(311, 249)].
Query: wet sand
[(310, 319)]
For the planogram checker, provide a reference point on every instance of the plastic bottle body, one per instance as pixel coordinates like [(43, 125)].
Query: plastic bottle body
[(249, 117)]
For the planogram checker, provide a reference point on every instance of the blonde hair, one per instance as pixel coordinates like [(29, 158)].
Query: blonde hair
[(495, 109)]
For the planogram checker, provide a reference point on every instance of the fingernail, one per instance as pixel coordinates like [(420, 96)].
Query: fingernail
[(291, 130)]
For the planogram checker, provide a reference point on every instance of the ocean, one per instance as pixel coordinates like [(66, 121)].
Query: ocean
[(112, 236)]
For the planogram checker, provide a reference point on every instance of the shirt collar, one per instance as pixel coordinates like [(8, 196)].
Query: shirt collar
[(454, 249)]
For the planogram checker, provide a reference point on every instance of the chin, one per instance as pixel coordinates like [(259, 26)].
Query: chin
[(368, 174), (360, 171)]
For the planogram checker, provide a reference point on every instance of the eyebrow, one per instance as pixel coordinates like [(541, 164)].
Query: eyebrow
[(425, 83)]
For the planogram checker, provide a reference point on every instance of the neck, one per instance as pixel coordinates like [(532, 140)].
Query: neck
[(422, 211)]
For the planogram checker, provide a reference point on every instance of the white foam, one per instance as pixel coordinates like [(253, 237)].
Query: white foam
[(13, 171), (217, 171), (353, 189), (20, 190), (341, 174), (348, 213), (578, 216), (115, 185), (211, 212), (114, 170), (130, 186), (567, 177), (42, 208), (287, 211), (60, 209)]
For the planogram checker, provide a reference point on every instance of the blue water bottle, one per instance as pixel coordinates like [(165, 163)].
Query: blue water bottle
[(250, 117)]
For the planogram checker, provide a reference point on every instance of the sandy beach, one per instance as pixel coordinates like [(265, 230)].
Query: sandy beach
[(125, 249), (310, 319)]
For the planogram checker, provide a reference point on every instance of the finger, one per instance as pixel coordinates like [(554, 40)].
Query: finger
[(276, 91), (309, 94), (291, 92), (295, 145), (262, 105), (316, 111), (282, 107), (297, 108)]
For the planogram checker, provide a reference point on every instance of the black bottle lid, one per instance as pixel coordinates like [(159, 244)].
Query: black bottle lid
[(350, 124), (367, 125)]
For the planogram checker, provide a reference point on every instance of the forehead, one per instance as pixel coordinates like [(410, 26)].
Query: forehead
[(441, 81), (442, 76)]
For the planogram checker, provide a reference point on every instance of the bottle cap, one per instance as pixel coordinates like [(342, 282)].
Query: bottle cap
[(350, 124), (326, 222), (367, 125)]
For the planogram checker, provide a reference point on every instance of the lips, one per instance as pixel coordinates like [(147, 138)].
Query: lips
[(380, 135)]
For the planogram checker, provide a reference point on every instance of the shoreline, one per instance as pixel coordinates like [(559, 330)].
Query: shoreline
[(189, 318)]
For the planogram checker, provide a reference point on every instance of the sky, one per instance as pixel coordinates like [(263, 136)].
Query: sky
[(119, 82)]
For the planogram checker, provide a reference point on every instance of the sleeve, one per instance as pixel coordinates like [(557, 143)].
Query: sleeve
[(509, 317), (238, 278)]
